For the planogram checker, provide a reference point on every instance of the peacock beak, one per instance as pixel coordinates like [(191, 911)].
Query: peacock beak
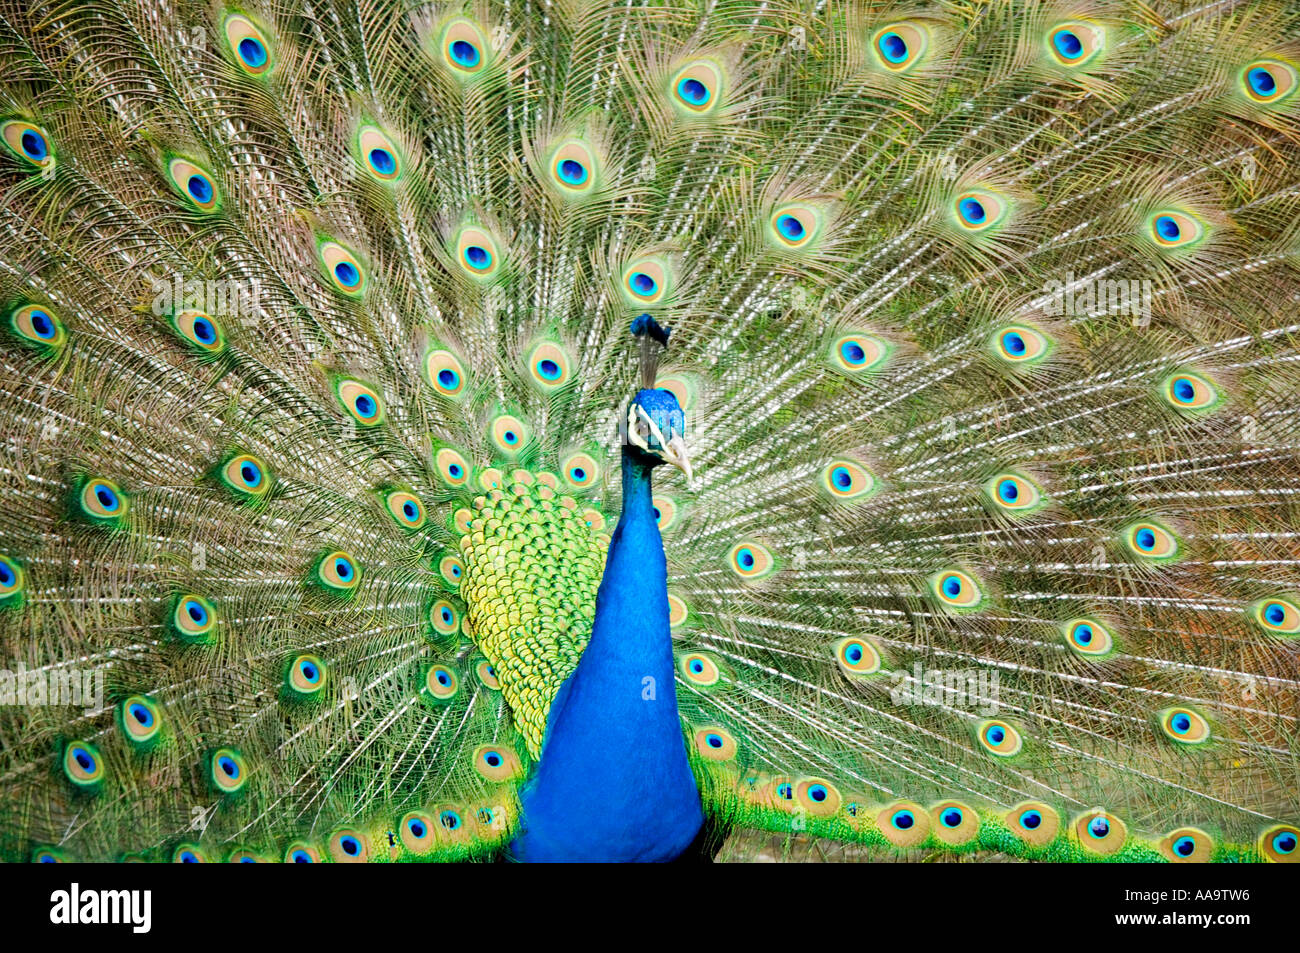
[(675, 453)]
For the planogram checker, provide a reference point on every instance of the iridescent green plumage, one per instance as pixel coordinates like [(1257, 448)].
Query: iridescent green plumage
[(316, 355)]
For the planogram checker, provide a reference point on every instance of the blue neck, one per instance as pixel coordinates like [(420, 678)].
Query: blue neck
[(614, 783)]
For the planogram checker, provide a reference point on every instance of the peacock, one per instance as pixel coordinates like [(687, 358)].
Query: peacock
[(580, 430)]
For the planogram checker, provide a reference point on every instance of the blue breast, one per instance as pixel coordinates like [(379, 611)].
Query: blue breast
[(614, 783)]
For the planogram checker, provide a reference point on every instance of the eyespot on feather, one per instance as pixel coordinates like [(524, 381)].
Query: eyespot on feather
[(1034, 822), (378, 155), (957, 590), (998, 738), (904, 824), (1088, 637), (193, 618), (227, 771), (28, 142), (1075, 43), (38, 326), (714, 743), (202, 332), (1277, 615), (361, 402), (342, 268), (857, 656), (750, 560), (1187, 845), (339, 572), (248, 44), (194, 184), (1100, 832), (898, 47)]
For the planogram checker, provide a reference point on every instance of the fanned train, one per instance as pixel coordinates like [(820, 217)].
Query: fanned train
[(340, 341)]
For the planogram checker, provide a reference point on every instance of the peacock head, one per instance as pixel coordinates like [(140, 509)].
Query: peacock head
[(656, 430)]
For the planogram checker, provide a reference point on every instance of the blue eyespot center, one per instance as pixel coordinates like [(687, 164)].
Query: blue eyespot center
[(713, 741), (1284, 843), (455, 470), (1083, 634), (642, 283), (951, 817), (200, 188), (1030, 820), (252, 52), (853, 352), (309, 671), (854, 653), (446, 615), (1184, 846), (383, 162), (42, 324), (903, 820), (351, 846), (83, 758), (790, 227), (892, 47), (107, 498), (301, 857), (365, 405), (1099, 827), (449, 820), (1008, 490), (746, 559), (1167, 228), (1067, 44), (196, 612), (443, 679), (1180, 723), (228, 767), (548, 368), (1014, 343), (409, 510), (995, 735), (972, 210), (510, 437), (1184, 391), (347, 274), (448, 378), (1262, 81), (416, 827), (464, 53), (1145, 539), (784, 791), (693, 91), (343, 569), (477, 256), (817, 792), (572, 171), (1275, 613), (204, 330), (34, 145), (952, 587), (187, 857), (142, 715), (841, 477)]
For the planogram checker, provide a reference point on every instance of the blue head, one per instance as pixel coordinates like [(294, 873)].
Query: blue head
[(656, 430)]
